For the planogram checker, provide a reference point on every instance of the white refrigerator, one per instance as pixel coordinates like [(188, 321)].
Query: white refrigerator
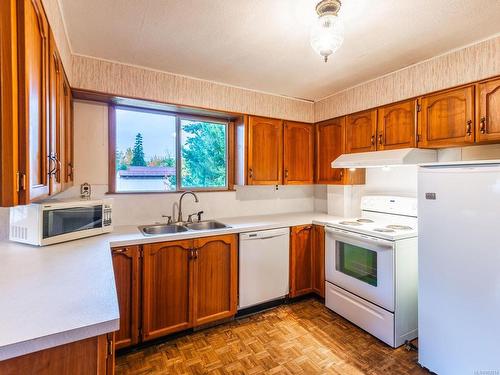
[(459, 269)]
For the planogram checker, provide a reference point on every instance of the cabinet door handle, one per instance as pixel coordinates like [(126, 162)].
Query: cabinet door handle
[(341, 175), (380, 139), (482, 127), (250, 172), (70, 171), (286, 173), (119, 251), (373, 140), (469, 128)]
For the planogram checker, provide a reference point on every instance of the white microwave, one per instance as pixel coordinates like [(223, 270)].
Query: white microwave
[(50, 222)]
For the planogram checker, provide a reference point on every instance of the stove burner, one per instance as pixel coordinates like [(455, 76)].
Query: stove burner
[(352, 223), (399, 227), (384, 230), (364, 221)]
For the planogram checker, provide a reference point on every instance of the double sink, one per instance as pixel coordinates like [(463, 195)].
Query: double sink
[(155, 229)]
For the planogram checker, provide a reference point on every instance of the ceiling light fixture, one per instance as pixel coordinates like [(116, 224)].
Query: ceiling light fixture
[(327, 32)]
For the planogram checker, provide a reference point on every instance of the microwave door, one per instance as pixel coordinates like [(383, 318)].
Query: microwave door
[(64, 221)]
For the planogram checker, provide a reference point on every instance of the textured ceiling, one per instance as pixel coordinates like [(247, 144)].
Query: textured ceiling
[(264, 44)]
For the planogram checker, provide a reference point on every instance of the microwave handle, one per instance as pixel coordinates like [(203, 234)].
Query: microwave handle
[(371, 240)]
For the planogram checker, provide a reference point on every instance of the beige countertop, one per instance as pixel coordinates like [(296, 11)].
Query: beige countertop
[(66, 292)]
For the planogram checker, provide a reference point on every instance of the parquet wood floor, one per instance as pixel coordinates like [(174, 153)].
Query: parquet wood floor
[(300, 338)]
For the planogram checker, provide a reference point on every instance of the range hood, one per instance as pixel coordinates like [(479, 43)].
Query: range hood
[(404, 156)]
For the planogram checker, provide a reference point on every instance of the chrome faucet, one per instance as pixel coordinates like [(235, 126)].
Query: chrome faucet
[(179, 216)]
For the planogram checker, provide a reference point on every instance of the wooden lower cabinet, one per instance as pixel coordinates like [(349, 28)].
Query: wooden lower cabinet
[(215, 279), (301, 260), (307, 260), (94, 355), (185, 284), (318, 260), (127, 277), (167, 288)]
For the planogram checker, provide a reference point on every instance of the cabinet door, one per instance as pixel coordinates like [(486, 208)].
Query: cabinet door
[(318, 260), (488, 114), (215, 278), (301, 260), (167, 288), (265, 151), (127, 278), (397, 126), (69, 147), (361, 131), (33, 44), (56, 106), (447, 119), (298, 153)]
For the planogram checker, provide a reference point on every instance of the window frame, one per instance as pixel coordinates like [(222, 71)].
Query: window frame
[(178, 155)]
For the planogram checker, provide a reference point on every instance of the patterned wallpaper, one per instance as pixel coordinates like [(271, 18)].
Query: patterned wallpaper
[(120, 79), (473, 63)]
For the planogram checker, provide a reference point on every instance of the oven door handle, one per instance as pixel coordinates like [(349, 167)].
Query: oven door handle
[(341, 235)]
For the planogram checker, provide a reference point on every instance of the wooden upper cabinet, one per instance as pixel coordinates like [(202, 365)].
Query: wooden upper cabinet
[(127, 278), (488, 111), (397, 126), (298, 153), (215, 278), (265, 151), (33, 53), (318, 260), (329, 145), (301, 260), (68, 166), (361, 132), (447, 119), (167, 288), (56, 115)]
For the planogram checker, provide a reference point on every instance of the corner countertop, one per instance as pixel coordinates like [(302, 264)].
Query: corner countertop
[(66, 292)]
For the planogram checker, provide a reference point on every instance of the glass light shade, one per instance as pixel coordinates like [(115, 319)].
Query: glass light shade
[(327, 35)]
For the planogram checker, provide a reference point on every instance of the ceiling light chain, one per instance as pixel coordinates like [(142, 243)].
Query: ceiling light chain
[(327, 33)]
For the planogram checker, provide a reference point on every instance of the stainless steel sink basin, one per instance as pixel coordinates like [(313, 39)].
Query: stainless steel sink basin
[(206, 225), (150, 230)]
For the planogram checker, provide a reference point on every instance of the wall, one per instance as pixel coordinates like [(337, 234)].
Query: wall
[(473, 63), (130, 81), (91, 155)]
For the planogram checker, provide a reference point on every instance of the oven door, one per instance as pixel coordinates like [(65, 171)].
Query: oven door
[(362, 265), (69, 223)]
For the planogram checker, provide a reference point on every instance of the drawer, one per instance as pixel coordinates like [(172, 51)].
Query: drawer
[(373, 319)]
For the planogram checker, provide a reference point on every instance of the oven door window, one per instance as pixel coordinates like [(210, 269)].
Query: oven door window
[(68, 220), (357, 262)]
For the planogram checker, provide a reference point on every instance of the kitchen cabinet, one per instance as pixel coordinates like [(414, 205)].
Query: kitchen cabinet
[(329, 145), (214, 278), (265, 151), (185, 284), (396, 126), (446, 119), (126, 265), (8, 104), (298, 153), (167, 288), (94, 355), (67, 115), (318, 260), (361, 131), (33, 73), (300, 260), (488, 111)]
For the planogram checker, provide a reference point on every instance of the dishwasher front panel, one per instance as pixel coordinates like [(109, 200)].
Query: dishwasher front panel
[(263, 266)]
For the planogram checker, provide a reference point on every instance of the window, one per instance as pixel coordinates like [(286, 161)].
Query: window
[(156, 151)]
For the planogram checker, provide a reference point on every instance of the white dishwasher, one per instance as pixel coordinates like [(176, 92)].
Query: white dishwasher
[(263, 266)]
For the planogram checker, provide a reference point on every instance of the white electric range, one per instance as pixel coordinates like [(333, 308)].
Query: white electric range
[(371, 268)]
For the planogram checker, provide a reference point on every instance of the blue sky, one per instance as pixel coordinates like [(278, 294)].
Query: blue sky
[(158, 132)]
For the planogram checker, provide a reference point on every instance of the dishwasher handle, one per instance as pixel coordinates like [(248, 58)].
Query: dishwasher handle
[(263, 235)]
